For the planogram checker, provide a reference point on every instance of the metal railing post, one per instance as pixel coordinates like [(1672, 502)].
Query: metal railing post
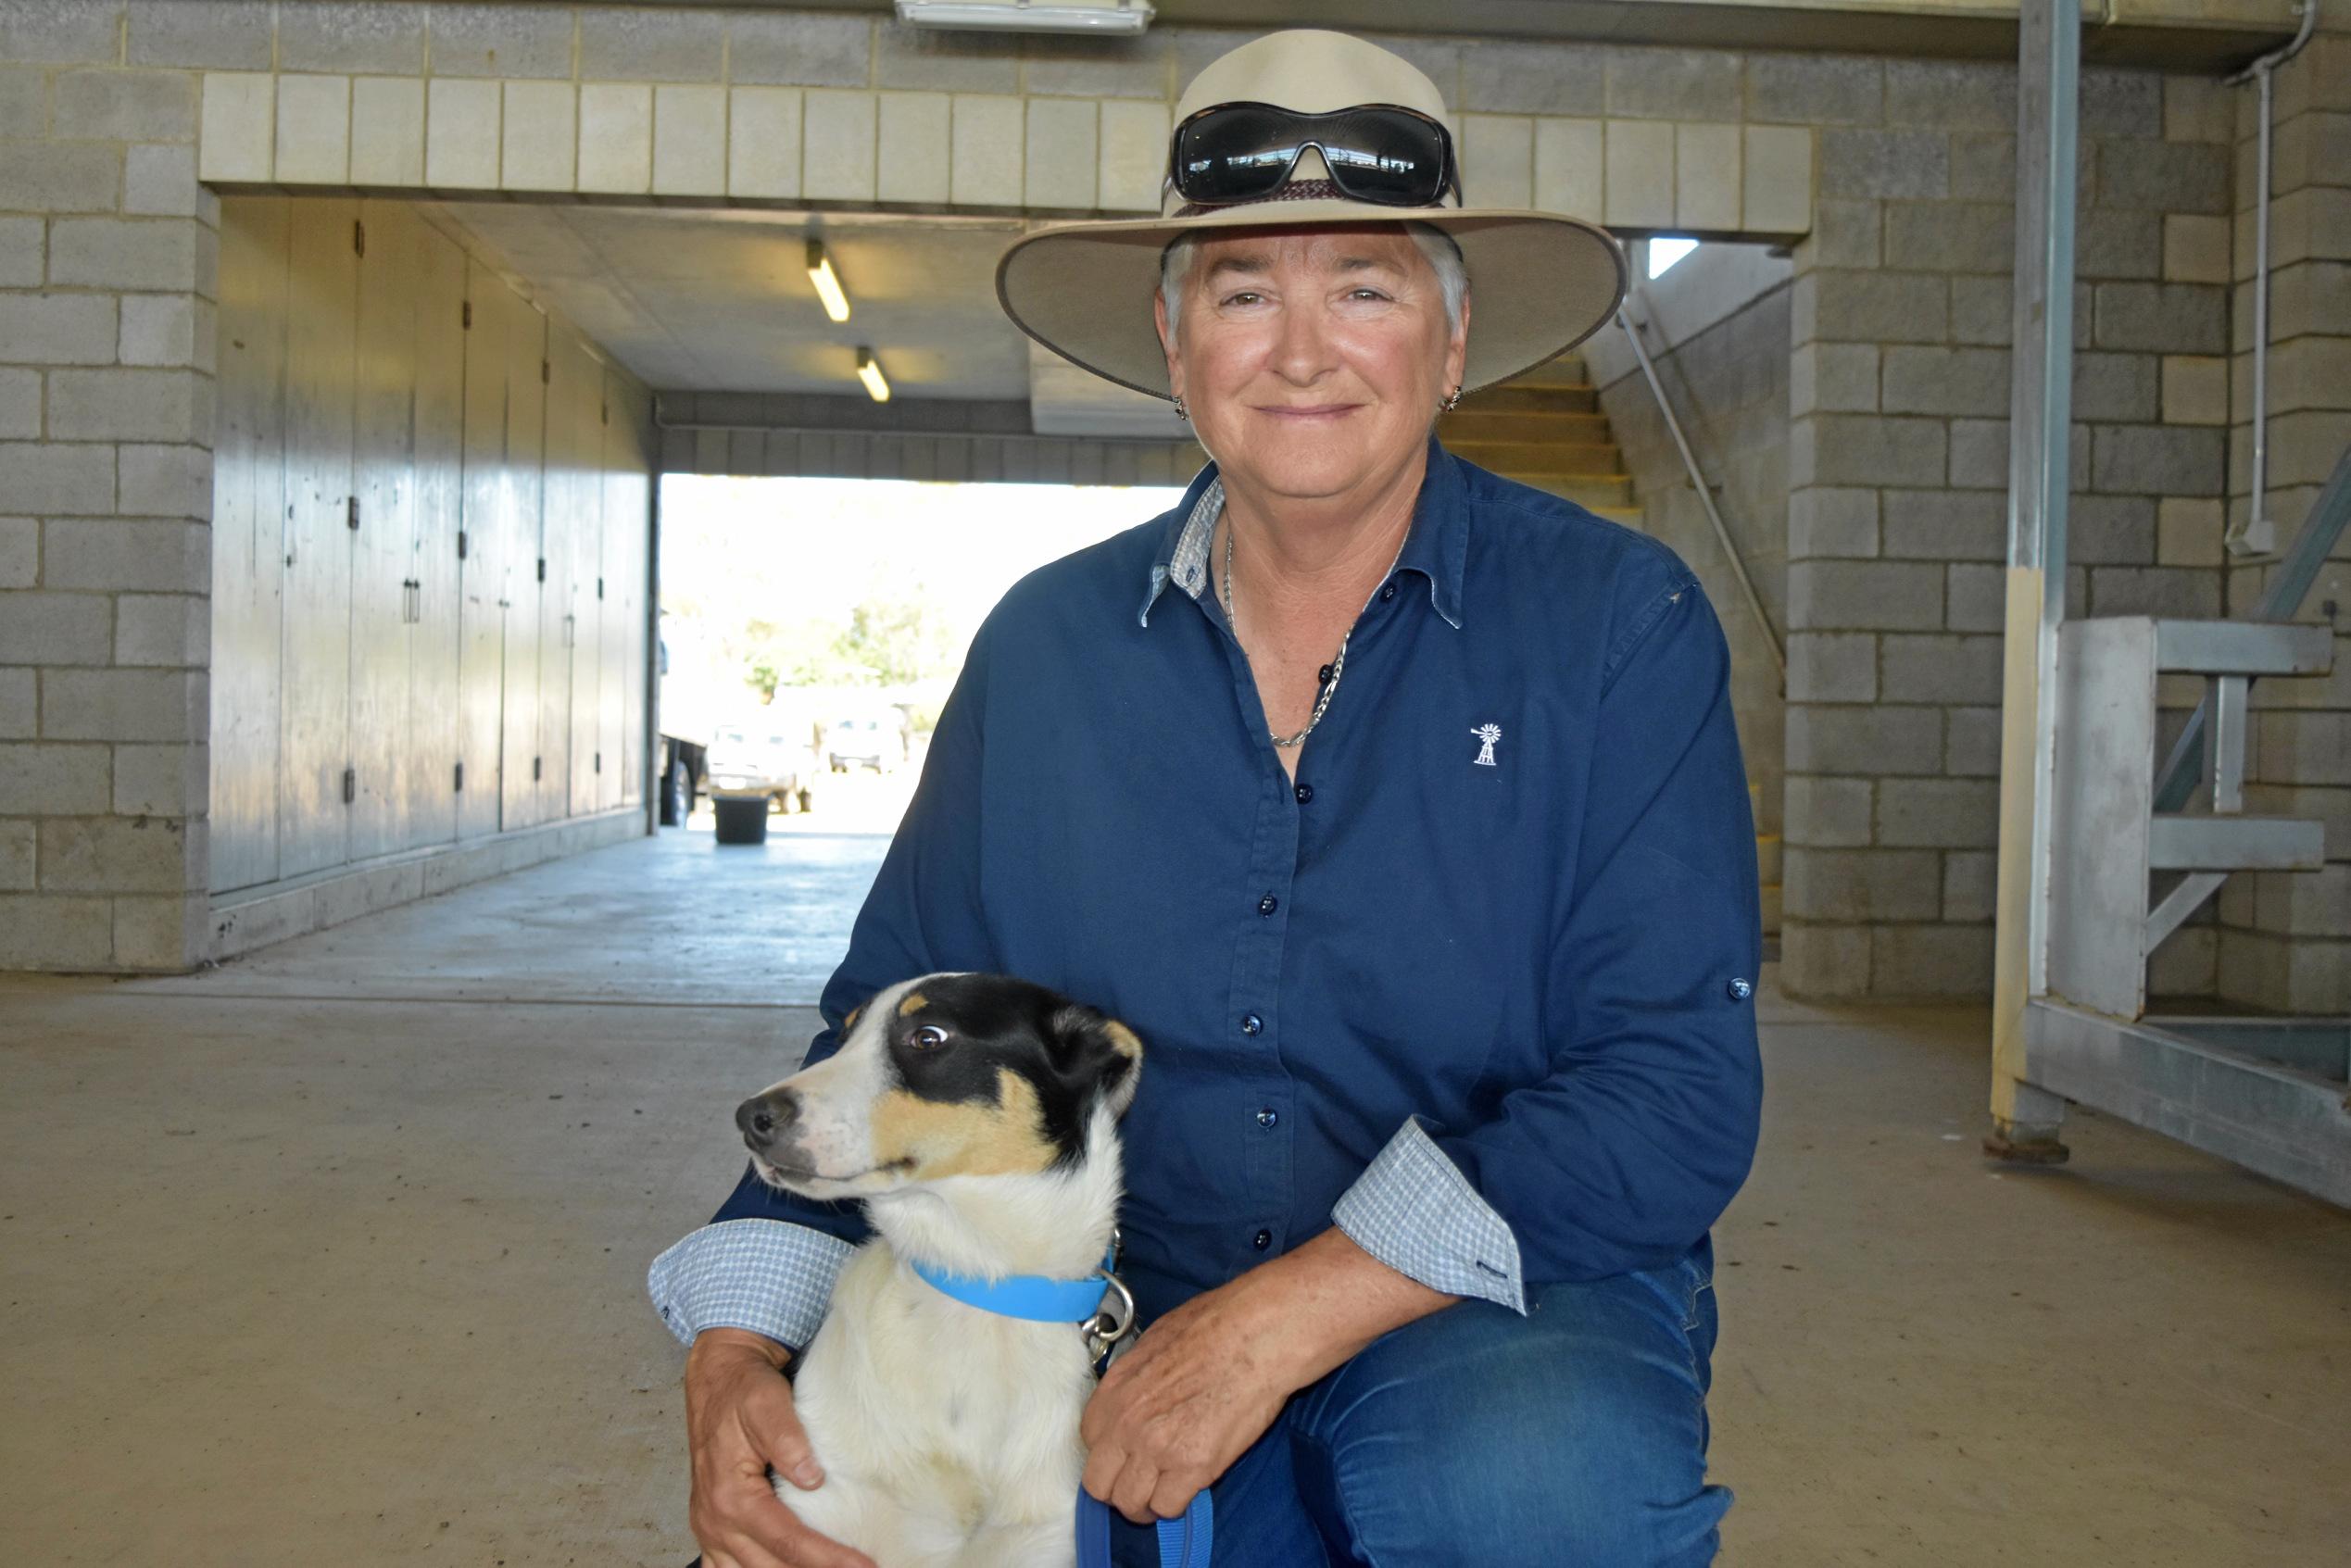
[(2025, 1118), (1706, 499)]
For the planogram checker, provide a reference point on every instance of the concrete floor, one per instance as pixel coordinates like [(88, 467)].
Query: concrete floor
[(335, 1256)]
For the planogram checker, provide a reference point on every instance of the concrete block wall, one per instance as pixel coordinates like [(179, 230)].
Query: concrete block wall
[(1896, 175), (2285, 938), (848, 109), (1898, 472), (791, 434), (108, 253)]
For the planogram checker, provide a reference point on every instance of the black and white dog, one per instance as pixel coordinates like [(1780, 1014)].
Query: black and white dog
[(976, 1117)]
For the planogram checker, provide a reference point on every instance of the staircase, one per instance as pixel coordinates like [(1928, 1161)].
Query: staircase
[(1545, 429)]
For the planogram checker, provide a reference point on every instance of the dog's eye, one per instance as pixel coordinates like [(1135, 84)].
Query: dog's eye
[(930, 1036)]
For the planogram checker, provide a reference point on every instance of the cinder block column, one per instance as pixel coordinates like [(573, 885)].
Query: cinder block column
[(107, 247), (1898, 473), (2285, 937)]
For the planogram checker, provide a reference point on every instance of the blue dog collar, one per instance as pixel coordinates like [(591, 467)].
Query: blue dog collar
[(1182, 1543), (1033, 1297)]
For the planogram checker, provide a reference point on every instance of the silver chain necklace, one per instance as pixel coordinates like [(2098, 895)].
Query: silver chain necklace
[(1333, 671)]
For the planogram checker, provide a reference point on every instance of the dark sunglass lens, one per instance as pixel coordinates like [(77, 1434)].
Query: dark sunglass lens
[(1384, 156), (1233, 154)]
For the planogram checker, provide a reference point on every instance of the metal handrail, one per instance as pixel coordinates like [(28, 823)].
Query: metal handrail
[(2296, 570), (1706, 498)]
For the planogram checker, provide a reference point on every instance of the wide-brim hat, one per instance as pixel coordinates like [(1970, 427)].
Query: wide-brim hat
[(1541, 281)]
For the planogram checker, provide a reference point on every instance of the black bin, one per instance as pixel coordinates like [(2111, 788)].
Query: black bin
[(742, 819)]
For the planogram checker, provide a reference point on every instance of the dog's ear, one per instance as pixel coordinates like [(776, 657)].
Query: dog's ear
[(1100, 1050)]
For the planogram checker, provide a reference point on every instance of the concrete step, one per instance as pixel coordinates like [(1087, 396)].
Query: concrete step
[(1479, 425), (1611, 497), (1520, 458), (1517, 397)]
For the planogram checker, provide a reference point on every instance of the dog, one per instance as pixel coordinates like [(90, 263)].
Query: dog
[(976, 1117)]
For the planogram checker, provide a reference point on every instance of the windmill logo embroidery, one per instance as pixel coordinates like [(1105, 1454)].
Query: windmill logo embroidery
[(1487, 735)]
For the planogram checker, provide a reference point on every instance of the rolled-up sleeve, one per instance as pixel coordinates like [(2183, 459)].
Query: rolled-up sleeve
[(1629, 1148), (765, 1275), (1414, 1210)]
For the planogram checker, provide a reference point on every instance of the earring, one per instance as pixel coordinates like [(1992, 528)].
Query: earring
[(1452, 398), (1181, 412)]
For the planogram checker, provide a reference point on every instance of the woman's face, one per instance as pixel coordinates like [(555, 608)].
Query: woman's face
[(1311, 360)]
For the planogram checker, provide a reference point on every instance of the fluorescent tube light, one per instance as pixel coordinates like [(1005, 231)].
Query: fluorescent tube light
[(1021, 16), (870, 372), (828, 287)]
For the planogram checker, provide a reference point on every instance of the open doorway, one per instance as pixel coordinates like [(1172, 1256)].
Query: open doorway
[(811, 629)]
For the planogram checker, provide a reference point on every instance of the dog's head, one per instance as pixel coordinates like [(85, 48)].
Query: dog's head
[(946, 1075)]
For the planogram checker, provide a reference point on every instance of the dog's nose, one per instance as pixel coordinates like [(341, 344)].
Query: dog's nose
[(764, 1116)]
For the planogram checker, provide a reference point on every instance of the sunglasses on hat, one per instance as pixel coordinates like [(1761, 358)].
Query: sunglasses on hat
[(1380, 153)]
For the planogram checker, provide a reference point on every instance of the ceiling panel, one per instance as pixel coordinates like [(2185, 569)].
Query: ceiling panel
[(694, 300)]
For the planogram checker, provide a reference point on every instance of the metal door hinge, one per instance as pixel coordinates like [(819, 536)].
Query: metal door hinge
[(359, 238), (461, 778), (412, 601), (542, 569), (546, 373), (599, 762), (600, 587), (571, 630), (460, 543), (465, 314), (534, 769), (604, 413), (350, 785), (351, 512)]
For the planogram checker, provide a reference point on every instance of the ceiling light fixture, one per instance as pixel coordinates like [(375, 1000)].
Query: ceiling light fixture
[(828, 286), (1022, 15), (870, 372)]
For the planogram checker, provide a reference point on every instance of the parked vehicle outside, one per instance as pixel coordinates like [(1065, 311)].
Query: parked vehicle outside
[(872, 738), (770, 753)]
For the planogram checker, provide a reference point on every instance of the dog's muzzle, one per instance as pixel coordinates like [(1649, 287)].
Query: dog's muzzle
[(767, 1121)]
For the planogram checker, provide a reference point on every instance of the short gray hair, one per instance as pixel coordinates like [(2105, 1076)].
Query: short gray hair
[(1435, 245)]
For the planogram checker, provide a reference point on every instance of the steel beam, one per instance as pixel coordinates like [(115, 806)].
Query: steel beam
[(2224, 1094), (2025, 1117)]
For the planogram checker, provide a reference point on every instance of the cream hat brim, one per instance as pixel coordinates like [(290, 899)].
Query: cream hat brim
[(1540, 283)]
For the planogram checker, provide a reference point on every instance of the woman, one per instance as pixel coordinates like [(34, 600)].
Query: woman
[(1399, 810)]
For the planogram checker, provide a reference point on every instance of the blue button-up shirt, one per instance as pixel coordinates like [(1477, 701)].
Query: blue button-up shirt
[(1473, 986)]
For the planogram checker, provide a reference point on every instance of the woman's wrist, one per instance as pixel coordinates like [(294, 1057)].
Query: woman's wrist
[(731, 1341), (1329, 1299)]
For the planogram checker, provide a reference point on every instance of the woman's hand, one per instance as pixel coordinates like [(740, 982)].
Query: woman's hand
[(739, 1421), (1172, 1413), (1208, 1379)]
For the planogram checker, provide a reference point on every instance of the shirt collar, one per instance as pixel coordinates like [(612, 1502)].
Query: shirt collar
[(1437, 546)]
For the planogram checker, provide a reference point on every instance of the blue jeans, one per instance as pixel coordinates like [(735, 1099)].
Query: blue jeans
[(1572, 1437)]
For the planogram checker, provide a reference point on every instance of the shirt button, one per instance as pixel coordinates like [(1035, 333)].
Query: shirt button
[(1324, 675), (1739, 990), (1269, 903), (1261, 1240), (1268, 1117), (1251, 1024), (1388, 591), (1304, 793)]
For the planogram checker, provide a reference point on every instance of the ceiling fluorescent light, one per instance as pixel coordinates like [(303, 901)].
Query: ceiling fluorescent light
[(870, 373), (1022, 15), (828, 287)]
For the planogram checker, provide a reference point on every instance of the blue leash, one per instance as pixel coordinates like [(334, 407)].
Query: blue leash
[(1182, 1543)]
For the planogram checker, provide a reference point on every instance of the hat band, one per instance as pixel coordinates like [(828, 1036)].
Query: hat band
[(1293, 191)]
